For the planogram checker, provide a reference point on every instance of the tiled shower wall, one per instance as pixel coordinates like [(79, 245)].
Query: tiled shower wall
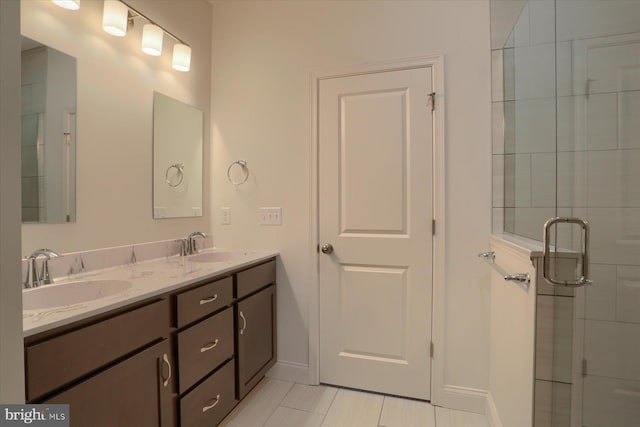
[(34, 75), (566, 142)]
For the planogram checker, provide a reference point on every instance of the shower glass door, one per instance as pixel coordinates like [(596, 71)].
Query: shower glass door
[(566, 142)]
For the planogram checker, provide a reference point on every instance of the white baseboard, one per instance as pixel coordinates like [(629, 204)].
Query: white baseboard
[(463, 399), (290, 371), (492, 412)]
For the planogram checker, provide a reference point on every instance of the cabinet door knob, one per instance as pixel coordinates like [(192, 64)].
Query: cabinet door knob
[(244, 324), (165, 360), (327, 248)]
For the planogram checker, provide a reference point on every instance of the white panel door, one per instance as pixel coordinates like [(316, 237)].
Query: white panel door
[(375, 207)]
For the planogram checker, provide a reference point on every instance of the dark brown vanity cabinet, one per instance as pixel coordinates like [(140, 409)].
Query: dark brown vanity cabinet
[(183, 359), (113, 370), (256, 325), (205, 352)]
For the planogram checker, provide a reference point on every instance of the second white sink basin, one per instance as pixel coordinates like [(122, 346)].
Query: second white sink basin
[(220, 256), (58, 295)]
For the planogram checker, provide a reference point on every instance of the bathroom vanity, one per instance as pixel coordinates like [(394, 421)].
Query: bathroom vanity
[(183, 354)]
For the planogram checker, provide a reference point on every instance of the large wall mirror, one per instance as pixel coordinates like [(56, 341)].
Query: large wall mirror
[(177, 158), (48, 141)]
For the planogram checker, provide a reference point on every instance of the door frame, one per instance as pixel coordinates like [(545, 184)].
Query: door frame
[(436, 63)]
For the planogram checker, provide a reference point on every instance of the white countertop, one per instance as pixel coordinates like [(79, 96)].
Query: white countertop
[(149, 278)]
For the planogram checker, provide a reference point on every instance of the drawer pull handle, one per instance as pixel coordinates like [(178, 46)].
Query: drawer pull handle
[(209, 346), (215, 402), (208, 300), (165, 360), (244, 324)]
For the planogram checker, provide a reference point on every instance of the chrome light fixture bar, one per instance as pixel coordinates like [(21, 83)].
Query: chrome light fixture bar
[(117, 15)]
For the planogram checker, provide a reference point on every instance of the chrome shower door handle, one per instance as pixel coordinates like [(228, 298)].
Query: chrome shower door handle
[(583, 279)]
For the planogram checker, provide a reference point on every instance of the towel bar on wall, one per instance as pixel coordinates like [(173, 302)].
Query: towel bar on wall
[(490, 258)]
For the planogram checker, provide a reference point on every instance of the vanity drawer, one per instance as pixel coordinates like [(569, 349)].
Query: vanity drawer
[(204, 346), (217, 393), (255, 278), (57, 361), (197, 303)]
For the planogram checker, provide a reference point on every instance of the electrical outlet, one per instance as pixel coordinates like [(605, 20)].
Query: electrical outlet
[(270, 216), (226, 216)]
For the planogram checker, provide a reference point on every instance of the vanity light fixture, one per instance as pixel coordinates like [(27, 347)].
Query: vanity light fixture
[(116, 17), (152, 39), (68, 4), (181, 57)]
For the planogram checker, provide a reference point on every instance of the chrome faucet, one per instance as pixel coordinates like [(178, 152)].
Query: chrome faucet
[(33, 279), (191, 242)]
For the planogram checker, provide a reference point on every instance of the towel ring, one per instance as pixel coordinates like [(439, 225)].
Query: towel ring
[(180, 174), (243, 165)]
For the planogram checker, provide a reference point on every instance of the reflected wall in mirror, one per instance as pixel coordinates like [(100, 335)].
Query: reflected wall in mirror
[(177, 158), (48, 141)]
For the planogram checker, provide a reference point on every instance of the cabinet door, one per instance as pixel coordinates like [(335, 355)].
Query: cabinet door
[(136, 392), (256, 337)]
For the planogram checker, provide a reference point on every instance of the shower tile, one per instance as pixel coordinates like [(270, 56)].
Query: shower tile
[(542, 21), (552, 404), (498, 127), (30, 193), (30, 215), (510, 127), (29, 161), (543, 180), (612, 63), (602, 121), (612, 178), (572, 179), (611, 402), (497, 220), (498, 181), (564, 68), (554, 333), (521, 30), (628, 308), (535, 125), (615, 235), (571, 123), (628, 123), (601, 296), (517, 180), (528, 221), (509, 75), (497, 84), (535, 71), (612, 349)]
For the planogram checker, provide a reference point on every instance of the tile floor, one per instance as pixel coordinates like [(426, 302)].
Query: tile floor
[(276, 403)]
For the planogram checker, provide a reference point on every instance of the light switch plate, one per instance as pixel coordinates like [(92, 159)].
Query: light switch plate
[(270, 216), (225, 216)]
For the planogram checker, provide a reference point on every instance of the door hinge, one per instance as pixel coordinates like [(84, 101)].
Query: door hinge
[(584, 367), (432, 97), (431, 349), (433, 227)]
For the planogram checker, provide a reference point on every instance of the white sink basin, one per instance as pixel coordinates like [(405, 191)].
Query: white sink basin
[(220, 256), (70, 293)]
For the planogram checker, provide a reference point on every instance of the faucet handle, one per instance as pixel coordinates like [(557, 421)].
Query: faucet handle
[(31, 280)]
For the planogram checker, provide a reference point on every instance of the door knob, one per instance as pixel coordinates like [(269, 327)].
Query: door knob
[(327, 248)]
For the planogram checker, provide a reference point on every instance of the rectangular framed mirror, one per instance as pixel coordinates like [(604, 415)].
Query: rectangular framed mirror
[(177, 158), (48, 141)]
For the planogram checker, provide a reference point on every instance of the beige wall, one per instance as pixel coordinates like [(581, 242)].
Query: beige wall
[(263, 54), (115, 86)]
